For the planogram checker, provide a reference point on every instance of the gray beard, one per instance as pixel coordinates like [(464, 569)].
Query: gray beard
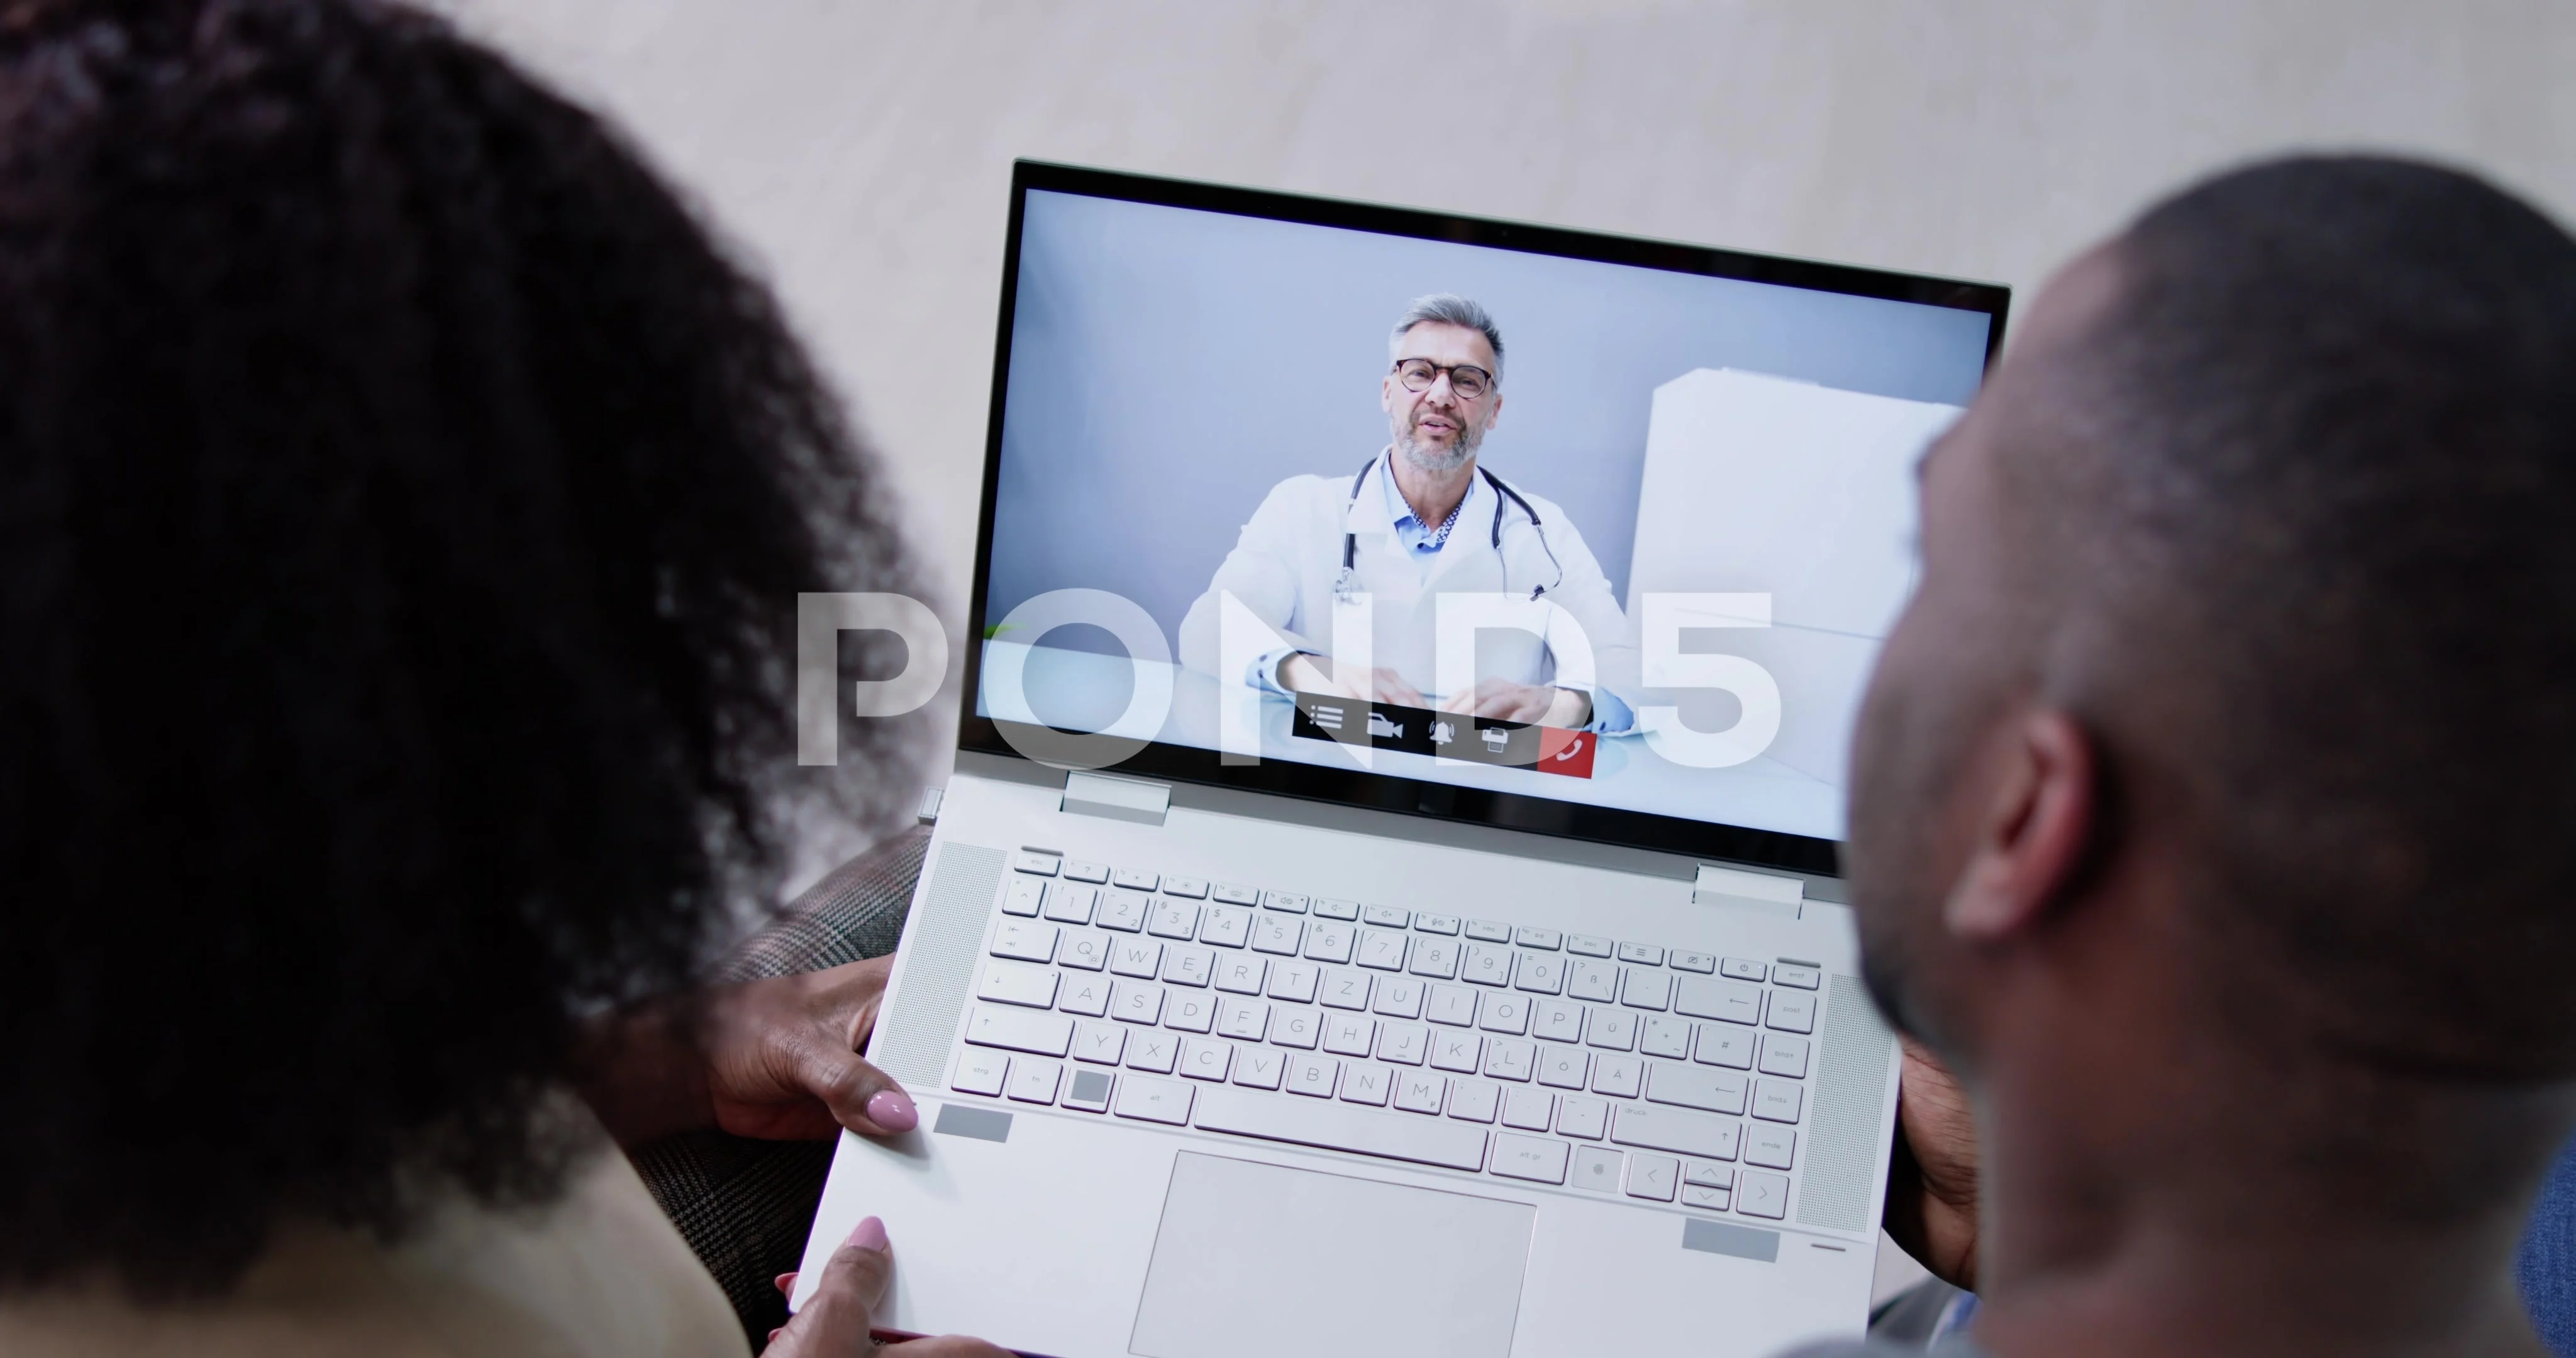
[(1427, 460)]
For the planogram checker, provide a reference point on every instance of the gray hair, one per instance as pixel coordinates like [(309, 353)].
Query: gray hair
[(1448, 308)]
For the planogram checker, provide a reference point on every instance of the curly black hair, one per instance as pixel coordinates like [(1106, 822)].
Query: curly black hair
[(403, 501)]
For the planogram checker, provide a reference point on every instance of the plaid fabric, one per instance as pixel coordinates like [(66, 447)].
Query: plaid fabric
[(746, 1205)]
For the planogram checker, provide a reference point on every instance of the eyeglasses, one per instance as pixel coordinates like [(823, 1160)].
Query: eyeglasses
[(1466, 379)]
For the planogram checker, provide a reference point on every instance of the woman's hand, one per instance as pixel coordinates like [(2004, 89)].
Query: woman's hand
[(782, 1056), (777, 1059), (1932, 1188), (837, 1319)]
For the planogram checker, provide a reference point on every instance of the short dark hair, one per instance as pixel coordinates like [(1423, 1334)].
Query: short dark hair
[(2330, 423), (402, 507)]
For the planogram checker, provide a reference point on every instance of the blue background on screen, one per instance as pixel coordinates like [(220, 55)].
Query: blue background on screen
[(1168, 366)]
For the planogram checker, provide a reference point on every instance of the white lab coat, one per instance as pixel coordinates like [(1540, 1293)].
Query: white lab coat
[(1289, 556)]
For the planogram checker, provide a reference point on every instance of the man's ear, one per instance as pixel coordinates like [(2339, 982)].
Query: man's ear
[(2032, 832)]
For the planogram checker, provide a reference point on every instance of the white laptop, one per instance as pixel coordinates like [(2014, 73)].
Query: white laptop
[(1246, 1021)]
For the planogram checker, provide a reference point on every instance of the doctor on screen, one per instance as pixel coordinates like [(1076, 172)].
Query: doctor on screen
[(1422, 519)]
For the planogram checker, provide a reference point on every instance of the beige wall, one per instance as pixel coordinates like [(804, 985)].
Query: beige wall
[(861, 150)]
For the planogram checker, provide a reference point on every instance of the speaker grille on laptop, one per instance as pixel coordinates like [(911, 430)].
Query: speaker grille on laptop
[(941, 965), (1842, 1138)]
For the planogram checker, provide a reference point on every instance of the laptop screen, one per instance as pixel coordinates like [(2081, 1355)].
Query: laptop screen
[(1558, 531)]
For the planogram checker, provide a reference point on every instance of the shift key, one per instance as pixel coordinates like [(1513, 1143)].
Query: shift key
[(1710, 1091), (1020, 1030), (1663, 1129)]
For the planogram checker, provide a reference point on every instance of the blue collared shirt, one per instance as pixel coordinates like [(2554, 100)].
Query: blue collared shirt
[(1423, 543)]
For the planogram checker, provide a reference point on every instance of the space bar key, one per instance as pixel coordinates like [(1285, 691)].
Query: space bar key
[(1393, 1136)]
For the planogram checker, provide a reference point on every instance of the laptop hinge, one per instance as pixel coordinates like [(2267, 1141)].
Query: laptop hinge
[(1767, 892), (1098, 794)]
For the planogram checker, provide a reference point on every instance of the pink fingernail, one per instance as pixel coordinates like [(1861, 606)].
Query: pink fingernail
[(869, 1234), (892, 1109)]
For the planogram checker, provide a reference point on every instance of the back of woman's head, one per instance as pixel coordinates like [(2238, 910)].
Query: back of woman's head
[(402, 508)]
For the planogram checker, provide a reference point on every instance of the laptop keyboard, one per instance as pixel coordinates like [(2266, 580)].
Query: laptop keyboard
[(1472, 1044)]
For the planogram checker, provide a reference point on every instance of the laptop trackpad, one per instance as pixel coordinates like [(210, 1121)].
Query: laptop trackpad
[(1254, 1260)]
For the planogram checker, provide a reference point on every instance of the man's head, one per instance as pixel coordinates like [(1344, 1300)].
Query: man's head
[(1443, 385), (2247, 635)]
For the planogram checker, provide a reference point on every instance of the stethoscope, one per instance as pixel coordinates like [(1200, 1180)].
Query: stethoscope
[(1347, 585)]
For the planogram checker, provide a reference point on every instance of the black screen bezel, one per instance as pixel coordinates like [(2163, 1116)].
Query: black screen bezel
[(1350, 787)]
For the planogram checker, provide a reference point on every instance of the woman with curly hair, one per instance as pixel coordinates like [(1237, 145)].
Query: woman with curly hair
[(402, 505)]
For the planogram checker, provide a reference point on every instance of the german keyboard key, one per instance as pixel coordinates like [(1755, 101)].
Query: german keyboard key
[(1652, 1177), (1225, 926), (1709, 998), (1434, 957), (1069, 904), (1340, 1126), (1099, 1043), (1330, 942), (1020, 1030), (1032, 987), (1725, 1045), (1534, 1158), (1035, 1081), (980, 1072), (1586, 1118), (1124, 910), (1665, 1036), (1278, 934), (1662, 1129), (1528, 1109), (1792, 1012), (1593, 981), (1643, 989), (1784, 1055), (1702, 1087), (1027, 942), (1151, 1100), (1763, 1195), (1777, 1100)]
